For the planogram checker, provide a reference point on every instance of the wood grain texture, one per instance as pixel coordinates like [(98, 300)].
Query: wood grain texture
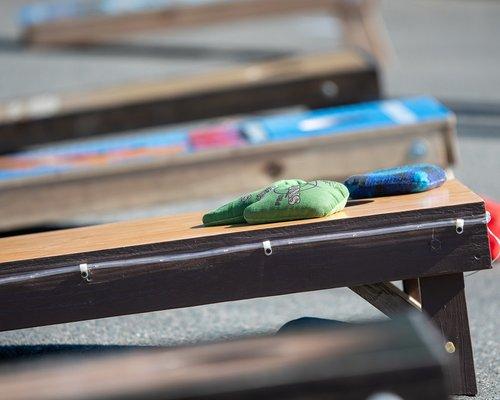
[(254, 87), (40, 280), (387, 298), (443, 300), (97, 191), (350, 363)]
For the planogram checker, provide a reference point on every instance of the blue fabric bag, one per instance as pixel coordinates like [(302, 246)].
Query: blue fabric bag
[(393, 181)]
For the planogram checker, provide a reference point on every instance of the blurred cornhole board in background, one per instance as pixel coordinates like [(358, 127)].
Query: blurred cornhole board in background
[(93, 21), (55, 184), (314, 80), (428, 239), (404, 357)]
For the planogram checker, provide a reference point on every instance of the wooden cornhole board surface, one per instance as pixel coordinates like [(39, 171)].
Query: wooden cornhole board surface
[(173, 262), (286, 82), (237, 275)]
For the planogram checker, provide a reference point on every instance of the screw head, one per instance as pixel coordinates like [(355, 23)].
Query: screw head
[(435, 244), (329, 89), (418, 149), (449, 347)]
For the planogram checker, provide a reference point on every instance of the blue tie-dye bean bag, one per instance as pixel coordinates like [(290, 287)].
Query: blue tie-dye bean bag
[(392, 181)]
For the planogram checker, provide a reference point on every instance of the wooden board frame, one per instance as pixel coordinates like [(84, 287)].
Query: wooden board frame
[(42, 280), (361, 22), (403, 356), (282, 83)]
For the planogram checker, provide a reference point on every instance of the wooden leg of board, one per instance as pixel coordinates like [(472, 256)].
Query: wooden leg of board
[(387, 298), (363, 28), (443, 300), (375, 31), (412, 288)]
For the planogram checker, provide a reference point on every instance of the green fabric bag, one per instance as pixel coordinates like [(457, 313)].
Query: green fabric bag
[(282, 201), (303, 200), (232, 212)]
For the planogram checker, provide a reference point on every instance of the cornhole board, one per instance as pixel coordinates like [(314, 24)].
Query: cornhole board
[(86, 22), (404, 357), (315, 80), (55, 184), (171, 262)]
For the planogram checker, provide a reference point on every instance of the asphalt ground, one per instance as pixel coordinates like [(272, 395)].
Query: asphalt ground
[(445, 48)]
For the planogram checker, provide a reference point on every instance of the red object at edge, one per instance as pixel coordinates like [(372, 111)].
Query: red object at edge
[(494, 227)]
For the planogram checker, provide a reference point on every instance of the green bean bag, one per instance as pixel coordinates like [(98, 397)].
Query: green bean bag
[(282, 201), (232, 212), (303, 200)]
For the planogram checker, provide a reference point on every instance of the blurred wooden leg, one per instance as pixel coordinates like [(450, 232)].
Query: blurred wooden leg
[(364, 28)]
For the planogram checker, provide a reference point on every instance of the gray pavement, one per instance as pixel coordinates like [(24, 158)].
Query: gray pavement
[(446, 48)]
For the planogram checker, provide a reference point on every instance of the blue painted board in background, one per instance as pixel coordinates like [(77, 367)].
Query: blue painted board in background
[(344, 119)]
